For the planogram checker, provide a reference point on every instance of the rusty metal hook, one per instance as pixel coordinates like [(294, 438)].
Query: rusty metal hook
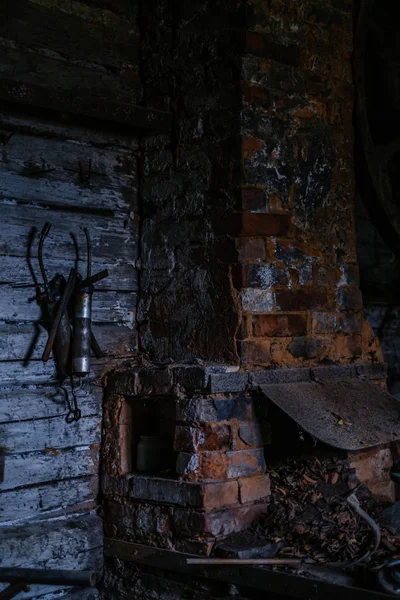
[(89, 253), (75, 412), (43, 235)]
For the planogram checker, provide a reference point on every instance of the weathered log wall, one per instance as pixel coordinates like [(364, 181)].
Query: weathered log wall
[(79, 58)]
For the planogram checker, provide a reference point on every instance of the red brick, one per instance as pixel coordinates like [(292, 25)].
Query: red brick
[(139, 522), (349, 298), (254, 352), (251, 145), (246, 435), (212, 410), (244, 463), (279, 325), (350, 274), (260, 45), (256, 95), (183, 493), (191, 523), (349, 323), (348, 346), (218, 466), (251, 249), (326, 276), (237, 435), (217, 495), (346, 323), (323, 323), (210, 436), (373, 467), (258, 275), (308, 347), (252, 489), (306, 299), (251, 224)]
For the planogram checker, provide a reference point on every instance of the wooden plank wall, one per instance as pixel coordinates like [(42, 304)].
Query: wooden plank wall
[(77, 57), (48, 496)]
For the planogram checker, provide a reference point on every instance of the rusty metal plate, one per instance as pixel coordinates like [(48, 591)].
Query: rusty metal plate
[(349, 413)]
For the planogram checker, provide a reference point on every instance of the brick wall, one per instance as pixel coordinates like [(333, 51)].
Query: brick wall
[(296, 270), (248, 230), (188, 307)]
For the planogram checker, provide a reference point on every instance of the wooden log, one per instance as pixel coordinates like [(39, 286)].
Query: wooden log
[(108, 307), (37, 372), (70, 594), (42, 402), (25, 154), (16, 340), (25, 504), (114, 239), (49, 434), (76, 577), (33, 468), (65, 129), (88, 34), (14, 372), (15, 270), (61, 173), (61, 542), (89, 78), (70, 542), (51, 592), (18, 91)]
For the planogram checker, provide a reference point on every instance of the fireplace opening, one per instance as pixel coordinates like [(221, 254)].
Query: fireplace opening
[(147, 429)]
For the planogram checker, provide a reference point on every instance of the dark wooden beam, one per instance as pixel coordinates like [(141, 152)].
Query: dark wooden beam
[(16, 97), (336, 585)]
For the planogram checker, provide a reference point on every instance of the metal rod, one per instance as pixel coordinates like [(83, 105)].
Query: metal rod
[(43, 235), (48, 576), (243, 561), (94, 278), (62, 307), (89, 253)]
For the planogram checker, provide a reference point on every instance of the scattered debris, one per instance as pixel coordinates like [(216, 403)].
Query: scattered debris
[(310, 517)]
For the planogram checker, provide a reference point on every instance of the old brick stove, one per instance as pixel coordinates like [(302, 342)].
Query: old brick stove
[(249, 278), (216, 423)]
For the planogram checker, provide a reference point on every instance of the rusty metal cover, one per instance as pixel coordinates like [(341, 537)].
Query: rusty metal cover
[(350, 414)]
